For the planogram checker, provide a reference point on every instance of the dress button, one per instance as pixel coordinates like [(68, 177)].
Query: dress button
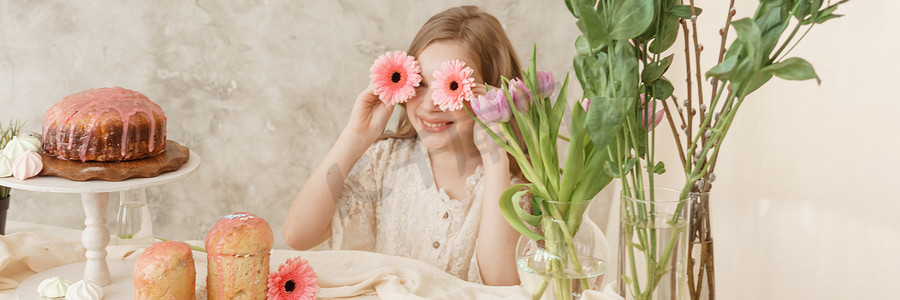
[(446, 215), (436, 245)]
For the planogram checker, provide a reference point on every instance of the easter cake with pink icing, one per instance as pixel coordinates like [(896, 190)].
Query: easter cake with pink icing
[(104, 124), (165, 270), (238, 249)]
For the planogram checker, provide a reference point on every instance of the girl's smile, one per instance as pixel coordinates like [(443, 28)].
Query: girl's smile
[(433, 125)]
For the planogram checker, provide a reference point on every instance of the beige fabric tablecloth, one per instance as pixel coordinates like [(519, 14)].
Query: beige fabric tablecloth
[(30, 248)]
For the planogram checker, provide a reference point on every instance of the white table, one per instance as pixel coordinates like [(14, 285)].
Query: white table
[(343, 274)]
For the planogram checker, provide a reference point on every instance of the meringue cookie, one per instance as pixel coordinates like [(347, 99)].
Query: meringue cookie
[(54, 287), (5, 166), (32, 138), (28, 165), (33, 134), (84, 290), (17, 146)]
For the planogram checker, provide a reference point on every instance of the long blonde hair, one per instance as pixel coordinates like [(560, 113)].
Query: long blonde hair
[(485, 40)]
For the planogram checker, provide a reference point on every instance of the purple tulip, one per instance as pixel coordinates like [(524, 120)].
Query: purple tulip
[(545, 84), (521, 96), (585, 104), (492, 107)]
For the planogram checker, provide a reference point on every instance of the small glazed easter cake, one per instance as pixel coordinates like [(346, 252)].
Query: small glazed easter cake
[(104, 124), (165, 270), (238, 249)]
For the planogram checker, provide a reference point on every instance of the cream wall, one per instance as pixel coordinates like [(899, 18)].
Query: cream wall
[(804, 205), (807, 193)]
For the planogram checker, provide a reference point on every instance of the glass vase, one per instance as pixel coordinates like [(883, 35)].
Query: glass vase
[(653, 243), (569, 260), (133, 222)]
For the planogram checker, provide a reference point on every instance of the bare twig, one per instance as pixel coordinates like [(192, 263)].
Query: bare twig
[(687, 104), (675, 134), (724, 34), (697, 49), (680, 115)]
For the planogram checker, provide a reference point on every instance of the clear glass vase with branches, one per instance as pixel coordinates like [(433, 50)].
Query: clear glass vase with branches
[(758, 53), (701, 121)]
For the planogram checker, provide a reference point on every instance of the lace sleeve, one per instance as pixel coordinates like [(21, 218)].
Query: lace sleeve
[(353, 222)]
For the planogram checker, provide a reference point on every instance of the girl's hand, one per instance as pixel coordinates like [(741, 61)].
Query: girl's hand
[(491, 152), (369, 117)]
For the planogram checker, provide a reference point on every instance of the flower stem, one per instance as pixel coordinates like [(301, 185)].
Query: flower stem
[(539, 290)]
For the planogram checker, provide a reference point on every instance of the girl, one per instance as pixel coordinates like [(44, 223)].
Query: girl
[(429, 191)]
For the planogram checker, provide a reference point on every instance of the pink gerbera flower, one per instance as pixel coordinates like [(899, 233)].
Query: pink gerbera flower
[(453, 83), (295, 280), (395, 77)]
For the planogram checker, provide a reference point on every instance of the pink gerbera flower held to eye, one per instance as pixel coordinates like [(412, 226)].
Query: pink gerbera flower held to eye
[(395, 77), (295, 280), (453, 83)]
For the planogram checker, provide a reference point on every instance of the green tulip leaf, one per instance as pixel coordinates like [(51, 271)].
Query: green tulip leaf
[(611, 170), (525, 216), (559, 107), (508, 205)]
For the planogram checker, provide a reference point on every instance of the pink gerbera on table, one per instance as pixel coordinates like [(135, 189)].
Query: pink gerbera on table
[(295, 280), (395, 76), (453, 83)]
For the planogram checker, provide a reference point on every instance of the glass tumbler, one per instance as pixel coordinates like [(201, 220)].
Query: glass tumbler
[(133, 222)]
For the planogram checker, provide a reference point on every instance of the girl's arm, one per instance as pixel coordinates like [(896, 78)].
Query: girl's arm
[(496, 239), (308, 221)]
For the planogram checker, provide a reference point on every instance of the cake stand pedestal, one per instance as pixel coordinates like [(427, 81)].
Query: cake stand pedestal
[(94, 199)]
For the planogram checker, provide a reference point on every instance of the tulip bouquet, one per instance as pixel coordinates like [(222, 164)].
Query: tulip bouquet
[(529, 121)]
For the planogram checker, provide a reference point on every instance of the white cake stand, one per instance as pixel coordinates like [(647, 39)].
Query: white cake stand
[(94, 198)]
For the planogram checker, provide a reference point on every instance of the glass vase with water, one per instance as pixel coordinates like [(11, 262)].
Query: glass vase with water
[(133, 222)]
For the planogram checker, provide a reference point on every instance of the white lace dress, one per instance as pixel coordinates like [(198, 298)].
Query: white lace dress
[(390, 204)]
